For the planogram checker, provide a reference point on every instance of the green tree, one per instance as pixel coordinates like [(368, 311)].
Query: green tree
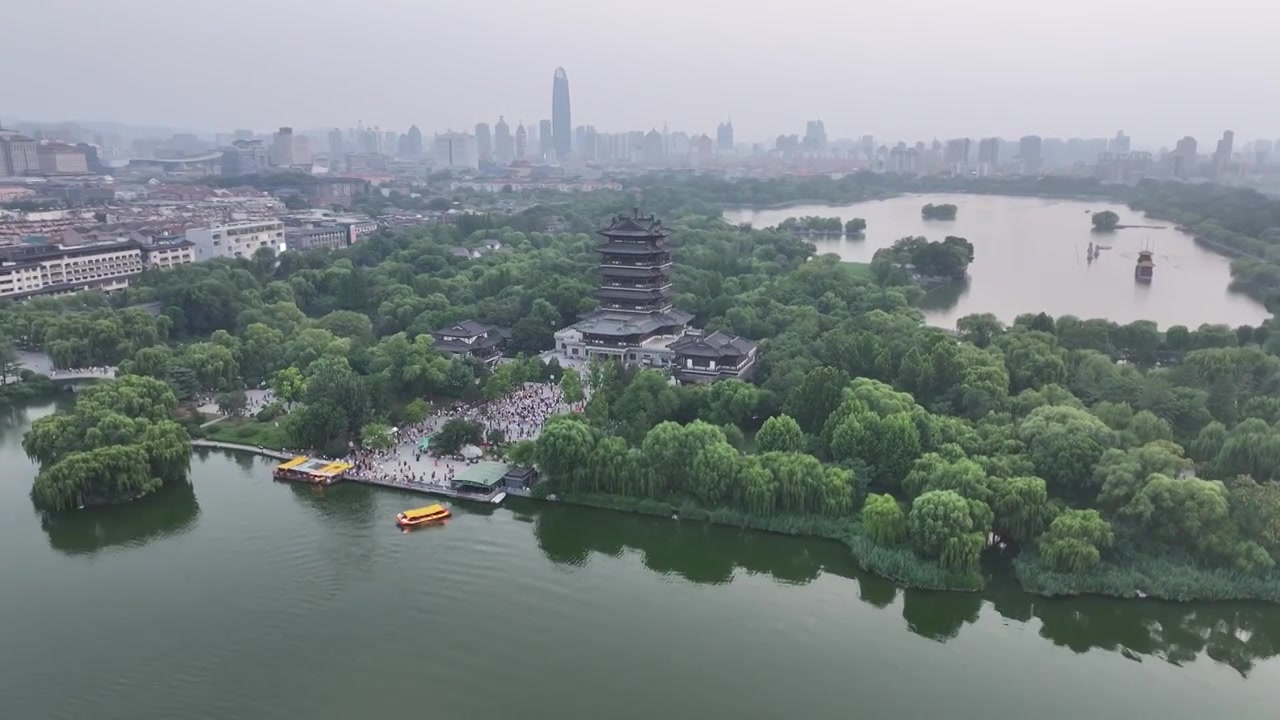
[(883, 520), (780, 434), (10, 366), (377, 436), (455, 434), (856, 226), (571, 386), (288, 385), (416, 411), (232, 403), (1105, 221), (1065, 443), (818, 395), (1075, 540)]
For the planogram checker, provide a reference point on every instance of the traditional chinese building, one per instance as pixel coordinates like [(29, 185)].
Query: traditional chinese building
[(636, 322), (707, 358), (469, 337)]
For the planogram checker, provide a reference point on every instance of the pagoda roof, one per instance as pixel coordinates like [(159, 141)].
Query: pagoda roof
[(626, 248), (622, 324), (717, 344), (634, 294), (631, 271), (635, 225)]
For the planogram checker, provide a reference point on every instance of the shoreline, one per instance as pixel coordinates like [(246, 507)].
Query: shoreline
[(873, 559)]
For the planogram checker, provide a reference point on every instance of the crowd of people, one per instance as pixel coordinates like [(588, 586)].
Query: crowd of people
[(519, 415)]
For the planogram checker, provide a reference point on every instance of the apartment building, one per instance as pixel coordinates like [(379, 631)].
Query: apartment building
[(240, 239), (28, 270)]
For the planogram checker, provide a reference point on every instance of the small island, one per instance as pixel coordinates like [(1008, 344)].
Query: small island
[(946, 211), (812, 225), (117, 444), (923, 261), (855, 227), (1105, 221)]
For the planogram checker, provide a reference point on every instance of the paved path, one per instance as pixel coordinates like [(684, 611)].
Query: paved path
[(265, 452)]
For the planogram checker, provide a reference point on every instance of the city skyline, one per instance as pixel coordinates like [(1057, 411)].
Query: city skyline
[(918, 75)]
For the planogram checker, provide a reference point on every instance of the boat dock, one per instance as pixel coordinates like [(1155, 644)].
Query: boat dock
[(492, 495), (484, 481)]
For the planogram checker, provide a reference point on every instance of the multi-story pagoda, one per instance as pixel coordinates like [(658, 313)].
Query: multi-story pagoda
[(636, 322), (635, 266)]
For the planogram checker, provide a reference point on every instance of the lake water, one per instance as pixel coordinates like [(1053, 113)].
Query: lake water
[(1030, 256), (236, 597)]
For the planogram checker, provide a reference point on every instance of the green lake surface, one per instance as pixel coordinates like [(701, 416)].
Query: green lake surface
[(237, 597)]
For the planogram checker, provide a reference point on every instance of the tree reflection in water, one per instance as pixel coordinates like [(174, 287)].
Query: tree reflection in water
[(1236, 634), (170, 511)]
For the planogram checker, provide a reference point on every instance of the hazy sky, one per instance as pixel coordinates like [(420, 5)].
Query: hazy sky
[(899, 69)]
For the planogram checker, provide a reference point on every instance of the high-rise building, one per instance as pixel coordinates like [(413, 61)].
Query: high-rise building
[(654, 151), (455, 150), (989, 152), (1119, 145), (956, 155), (336, 150), (414, 142), (546, 140), (1029, 151), (522, 140), (1184, 157), (1222, 154), (58, 158), (724, 137), (561, 121), (289, 148), (249, 157), (17, 154), (587, 148), (1262, 150), (484, 142), (815, 136), (504, 148)]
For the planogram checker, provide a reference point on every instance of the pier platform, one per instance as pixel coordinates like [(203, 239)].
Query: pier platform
[(478, 482)]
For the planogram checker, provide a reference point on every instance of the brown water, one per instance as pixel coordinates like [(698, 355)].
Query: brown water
[(1030, 256)]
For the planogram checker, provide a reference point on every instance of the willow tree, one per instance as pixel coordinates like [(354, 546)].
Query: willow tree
[(117, 444)]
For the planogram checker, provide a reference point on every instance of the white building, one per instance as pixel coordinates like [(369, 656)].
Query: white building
[(456, 150), (55, 270), (241, 239)]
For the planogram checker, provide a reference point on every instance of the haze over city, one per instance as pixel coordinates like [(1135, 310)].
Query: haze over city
[(903, 70)]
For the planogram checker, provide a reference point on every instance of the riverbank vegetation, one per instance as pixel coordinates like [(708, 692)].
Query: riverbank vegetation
[(1095, 450)]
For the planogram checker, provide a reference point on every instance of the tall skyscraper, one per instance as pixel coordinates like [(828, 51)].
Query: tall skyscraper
[(484, 142), (988, 155), (504, 149), (561, 121), (815, 136), (724, 137), (1222, 154), (522, 140), (546, 139), (1184, 157), (956, 155), (455, 150), (335, 146), (414, 142), (1029, 149), (1119, 145)]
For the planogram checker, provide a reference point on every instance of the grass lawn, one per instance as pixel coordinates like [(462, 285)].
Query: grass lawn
[(248, 431), (859, 269)]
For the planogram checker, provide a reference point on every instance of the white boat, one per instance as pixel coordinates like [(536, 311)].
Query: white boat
[(498, 498)]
